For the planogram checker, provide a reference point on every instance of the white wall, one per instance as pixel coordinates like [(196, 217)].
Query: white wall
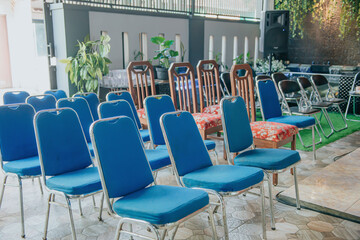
[(218, 29), (115, 24), (27, 69)]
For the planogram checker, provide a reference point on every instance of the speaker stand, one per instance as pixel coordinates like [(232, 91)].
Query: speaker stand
[(270, 62)]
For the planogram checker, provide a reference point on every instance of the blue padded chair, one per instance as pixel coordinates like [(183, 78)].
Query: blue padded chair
[(126, 177), (13, 97), (65, 159), (124, 95), (155, 106), (42, 102), (271, 111), (19, 155), (158, 158), (194, 168), (57, 93), (93, 102), (81, 107), (238, 138)]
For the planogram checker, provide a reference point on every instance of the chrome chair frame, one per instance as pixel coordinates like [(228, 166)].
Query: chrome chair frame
[(154, 228), (151, 140), (309, 103), (313, 128), (329, 95), (155, 172), (354, 95), (268, 173), (219, 195), (19, 185), (53, 193)]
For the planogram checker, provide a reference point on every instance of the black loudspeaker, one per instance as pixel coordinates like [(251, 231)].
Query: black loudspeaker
[(274, 33)]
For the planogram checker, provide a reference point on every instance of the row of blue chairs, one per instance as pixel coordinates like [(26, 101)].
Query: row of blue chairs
[(188, 154)]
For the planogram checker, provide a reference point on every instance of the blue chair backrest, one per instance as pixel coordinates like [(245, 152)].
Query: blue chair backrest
[(81, 107), (61, 142), (236, 125), (269, 99), (42, 102), (116, 109), (124, 95), (58, 94), (155, 107), (186, 144), (93, 102), (123, 166), (17, 137), (15, 97)]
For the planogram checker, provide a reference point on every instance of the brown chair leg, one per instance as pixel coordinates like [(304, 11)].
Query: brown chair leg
[(275, 179), (293, 147)]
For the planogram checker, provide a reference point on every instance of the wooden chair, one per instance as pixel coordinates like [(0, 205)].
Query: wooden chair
[(139, 90), (184, 93), (265, 134), (209, 81)]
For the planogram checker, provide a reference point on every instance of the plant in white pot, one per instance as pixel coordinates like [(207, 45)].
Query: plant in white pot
[(163, 55), (89, 64)]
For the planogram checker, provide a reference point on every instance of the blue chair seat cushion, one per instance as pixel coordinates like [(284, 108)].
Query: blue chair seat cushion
[(24, 167), (158, 158), (145, 135), (161, 204), (268, 159), (83, 181), (298, 121), (224, 178), (210, 145)]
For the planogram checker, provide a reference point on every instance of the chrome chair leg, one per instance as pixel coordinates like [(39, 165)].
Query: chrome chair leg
[(40, 185), (212, 223), (93, 199), (80, 208), (342, 116), (47, 216), (347, 109), (313, 137), (118, 229), (3, 189), (163, 235), (271, 201), (324, 111), (263, 214), (223, 209), (216, 157), (296, 190), (71, 217), (21, 208), (101, 207)]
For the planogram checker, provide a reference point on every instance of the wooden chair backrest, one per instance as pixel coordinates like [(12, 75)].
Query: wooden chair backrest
[(209, 83), (141, 90), (187, 99), (243, 86)]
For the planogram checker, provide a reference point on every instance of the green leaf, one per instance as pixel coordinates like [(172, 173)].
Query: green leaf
[(87, 38), (99, 73), (158, 56), (168, 43), (173, 53), (157, 40)]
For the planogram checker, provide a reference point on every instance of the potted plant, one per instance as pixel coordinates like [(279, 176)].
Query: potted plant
[(223, 67), (89, 64), (240, 60), (138, 56), (163, 55)]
